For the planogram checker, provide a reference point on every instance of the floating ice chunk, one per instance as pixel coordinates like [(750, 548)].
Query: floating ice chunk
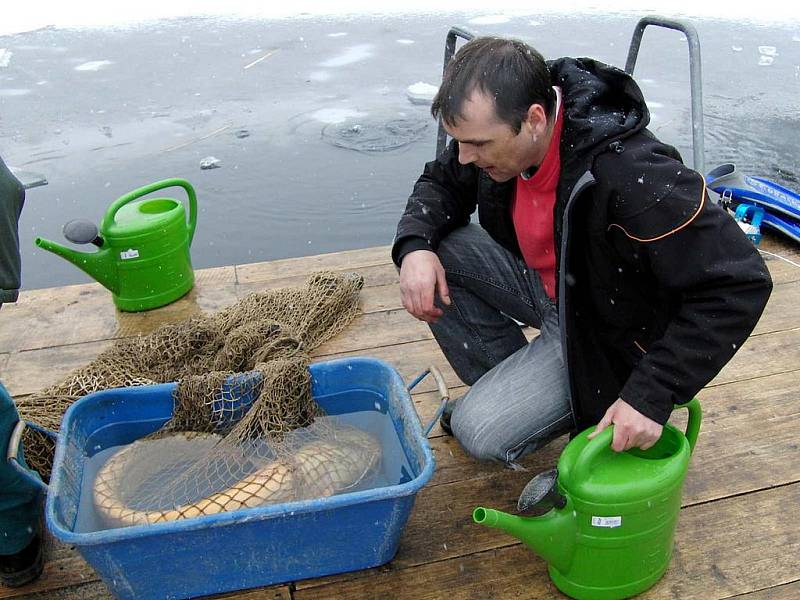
[(210, 162), (765, 61), (535, 23), (421, 93), (5, 57), (490, 20), (338, 34), (405, 42), (654, 104), (796, 37), (736, 48), (335, 115), (352, 55), (319, 76), (13, 92), (768, 50), (93, 65)]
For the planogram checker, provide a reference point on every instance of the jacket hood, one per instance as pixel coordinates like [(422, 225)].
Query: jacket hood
[(602, 103)]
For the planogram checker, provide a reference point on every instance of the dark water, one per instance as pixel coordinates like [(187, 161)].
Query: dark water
[(293, 179)]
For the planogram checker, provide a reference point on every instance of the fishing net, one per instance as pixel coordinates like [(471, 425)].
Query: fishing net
[(245, 430)]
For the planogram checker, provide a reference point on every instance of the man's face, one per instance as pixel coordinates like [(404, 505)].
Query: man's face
[(492, 145)]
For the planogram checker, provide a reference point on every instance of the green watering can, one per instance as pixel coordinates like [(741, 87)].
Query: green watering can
[(143, 255), (608, 533)]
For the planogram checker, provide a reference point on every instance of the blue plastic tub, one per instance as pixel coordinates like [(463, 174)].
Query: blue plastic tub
[(247, 548)]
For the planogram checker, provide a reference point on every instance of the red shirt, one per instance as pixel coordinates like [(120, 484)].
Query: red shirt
[(532, 212)]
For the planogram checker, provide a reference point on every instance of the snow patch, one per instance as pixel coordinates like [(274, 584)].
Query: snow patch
[(14, 92), (489, 20), (319, 75), (352, 55), (5, 57), (93, 65)]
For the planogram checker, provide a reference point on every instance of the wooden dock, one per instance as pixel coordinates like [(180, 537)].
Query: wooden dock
[(739, 533)]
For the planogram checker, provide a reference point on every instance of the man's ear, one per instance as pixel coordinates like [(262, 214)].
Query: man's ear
[(536, 119)]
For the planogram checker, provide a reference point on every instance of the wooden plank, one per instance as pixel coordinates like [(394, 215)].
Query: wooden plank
[(782, 311), (757, 453), (80, 313), (374, 275), (762, 355), (57, 574), (33, 370), (282, 592), (336, 261), (788, 591), (86, 313), (95, 590), (373, 330), (76, 314), (732, 546), (26, 372)]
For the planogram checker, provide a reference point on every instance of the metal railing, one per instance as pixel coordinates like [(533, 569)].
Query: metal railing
[(695, 77)]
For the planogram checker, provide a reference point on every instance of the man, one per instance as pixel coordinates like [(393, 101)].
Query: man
[(593, 231), (20, 500)]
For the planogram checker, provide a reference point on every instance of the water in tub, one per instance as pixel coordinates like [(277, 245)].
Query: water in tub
[(394, 468)]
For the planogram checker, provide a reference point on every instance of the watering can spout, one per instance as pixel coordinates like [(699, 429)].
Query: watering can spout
[(551, 536), (98, 265)]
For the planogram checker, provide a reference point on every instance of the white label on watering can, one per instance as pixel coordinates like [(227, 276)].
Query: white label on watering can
[(607, 521), (129, 253)]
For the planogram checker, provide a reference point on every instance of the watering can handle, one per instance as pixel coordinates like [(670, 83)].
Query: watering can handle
[(599, 444), (108, 219)]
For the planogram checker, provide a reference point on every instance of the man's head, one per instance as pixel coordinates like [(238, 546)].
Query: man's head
[(497, 100)]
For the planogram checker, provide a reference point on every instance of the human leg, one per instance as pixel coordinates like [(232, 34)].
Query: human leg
[(490, 288), (20, 512), (520, 404)]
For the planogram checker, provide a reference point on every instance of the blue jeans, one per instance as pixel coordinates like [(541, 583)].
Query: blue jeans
[(20, 500), (519, 399)]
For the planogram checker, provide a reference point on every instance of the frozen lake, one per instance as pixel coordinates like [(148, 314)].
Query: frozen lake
[(317, 141)]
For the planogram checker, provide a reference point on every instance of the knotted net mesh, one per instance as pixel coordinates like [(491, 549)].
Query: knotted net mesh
[(245, 430)]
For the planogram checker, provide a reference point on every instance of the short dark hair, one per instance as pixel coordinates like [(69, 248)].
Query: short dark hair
[(510, 71)]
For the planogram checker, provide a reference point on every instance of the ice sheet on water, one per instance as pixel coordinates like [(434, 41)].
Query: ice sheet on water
[(352, 55), (421, 93), (93, 65), (489, 20)]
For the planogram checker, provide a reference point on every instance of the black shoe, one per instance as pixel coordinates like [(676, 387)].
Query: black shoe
[(23, 567), (444, 420)]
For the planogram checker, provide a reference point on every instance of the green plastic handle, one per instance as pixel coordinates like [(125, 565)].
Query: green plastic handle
[(149, 189), (603, 441)]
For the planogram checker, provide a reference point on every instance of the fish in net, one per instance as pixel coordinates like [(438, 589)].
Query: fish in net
[(245, 430)]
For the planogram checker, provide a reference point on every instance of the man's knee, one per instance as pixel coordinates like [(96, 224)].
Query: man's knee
[(481, 440)]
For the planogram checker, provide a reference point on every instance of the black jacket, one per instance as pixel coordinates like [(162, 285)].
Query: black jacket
[(657, 286), (12, 196)]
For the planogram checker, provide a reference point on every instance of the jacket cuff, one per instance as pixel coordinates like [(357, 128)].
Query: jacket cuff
[(406, 246), (645, 401)]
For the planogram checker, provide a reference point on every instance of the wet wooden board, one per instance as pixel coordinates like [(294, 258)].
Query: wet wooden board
[(734, 537), (722, 550)]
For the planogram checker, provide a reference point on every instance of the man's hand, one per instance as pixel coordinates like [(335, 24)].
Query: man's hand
[(631, 428), (422, 275)]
